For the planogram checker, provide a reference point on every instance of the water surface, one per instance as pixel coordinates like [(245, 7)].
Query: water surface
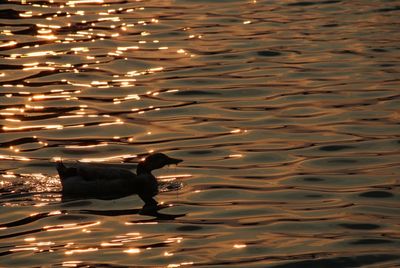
[(286, 114)]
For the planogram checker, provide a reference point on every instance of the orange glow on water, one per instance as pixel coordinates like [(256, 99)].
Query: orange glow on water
[(132, 250), (284, 114), (77, 2), (71, 263), (74, 251), (107, 159), (239, 246), (70, 226)]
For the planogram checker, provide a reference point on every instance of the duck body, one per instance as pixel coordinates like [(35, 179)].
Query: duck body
[(102, 182)]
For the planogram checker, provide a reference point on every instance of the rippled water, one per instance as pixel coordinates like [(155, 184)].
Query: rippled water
[(286, 114)]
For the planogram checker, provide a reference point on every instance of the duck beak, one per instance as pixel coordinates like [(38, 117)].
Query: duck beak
[(173, 161)]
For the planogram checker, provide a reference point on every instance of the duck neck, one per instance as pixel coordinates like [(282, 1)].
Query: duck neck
[(142, 169)]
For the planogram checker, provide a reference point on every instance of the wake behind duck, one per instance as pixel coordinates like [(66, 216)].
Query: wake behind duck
[(87, 180)]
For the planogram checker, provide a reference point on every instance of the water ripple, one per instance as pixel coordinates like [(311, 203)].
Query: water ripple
[(285, 113)]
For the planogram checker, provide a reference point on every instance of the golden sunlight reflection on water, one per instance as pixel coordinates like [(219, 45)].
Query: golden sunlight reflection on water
[(284, 112)]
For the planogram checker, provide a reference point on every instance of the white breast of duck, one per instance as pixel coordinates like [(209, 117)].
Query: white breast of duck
[(88, 180)]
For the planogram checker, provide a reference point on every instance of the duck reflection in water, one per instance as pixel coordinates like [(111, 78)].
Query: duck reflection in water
[(103, 182), (148, 211)]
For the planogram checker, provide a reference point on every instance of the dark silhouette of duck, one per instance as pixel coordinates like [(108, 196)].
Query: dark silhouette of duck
[(102, 182)]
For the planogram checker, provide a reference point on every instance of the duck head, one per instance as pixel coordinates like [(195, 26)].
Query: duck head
[(156, 161)]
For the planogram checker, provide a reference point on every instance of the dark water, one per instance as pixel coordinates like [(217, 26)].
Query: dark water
[(286, 114)]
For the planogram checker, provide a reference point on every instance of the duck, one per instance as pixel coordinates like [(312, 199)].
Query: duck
[(104, 182)]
